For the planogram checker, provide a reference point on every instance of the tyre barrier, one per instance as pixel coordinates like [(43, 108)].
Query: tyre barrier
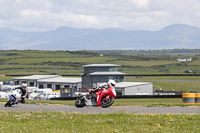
[(197, 98), (191, 98)]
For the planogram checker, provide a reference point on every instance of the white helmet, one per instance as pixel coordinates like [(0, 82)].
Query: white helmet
[(24, 85), (111, 83)]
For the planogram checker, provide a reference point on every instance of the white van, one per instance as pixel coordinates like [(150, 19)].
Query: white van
[(43, 90)]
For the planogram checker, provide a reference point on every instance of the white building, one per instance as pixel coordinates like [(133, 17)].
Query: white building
[(184, 59), (134, 88)]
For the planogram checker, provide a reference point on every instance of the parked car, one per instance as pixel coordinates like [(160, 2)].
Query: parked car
[(188, 71)]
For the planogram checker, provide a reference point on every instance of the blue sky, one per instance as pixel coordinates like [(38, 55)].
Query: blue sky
[(42, 15)]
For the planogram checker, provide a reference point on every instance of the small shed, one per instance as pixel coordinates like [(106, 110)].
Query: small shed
[(134, 88)]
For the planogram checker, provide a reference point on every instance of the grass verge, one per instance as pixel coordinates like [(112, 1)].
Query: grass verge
[(54, 122)]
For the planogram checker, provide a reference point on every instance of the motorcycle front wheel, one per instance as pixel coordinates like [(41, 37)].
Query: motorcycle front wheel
[(80, 102), (8, 103), (107, 102)]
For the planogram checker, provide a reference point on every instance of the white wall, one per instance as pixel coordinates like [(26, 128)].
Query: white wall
[(146, 89)]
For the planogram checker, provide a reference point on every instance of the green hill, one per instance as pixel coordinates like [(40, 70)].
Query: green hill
[(70, 62)]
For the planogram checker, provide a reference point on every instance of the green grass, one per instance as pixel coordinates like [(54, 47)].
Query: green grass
[(149, 102), (6, 78), (55, 102), (167, 85), (56, 122), (177, 86)]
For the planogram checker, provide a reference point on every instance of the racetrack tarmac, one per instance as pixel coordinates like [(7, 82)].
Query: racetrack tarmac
[(97, 110)]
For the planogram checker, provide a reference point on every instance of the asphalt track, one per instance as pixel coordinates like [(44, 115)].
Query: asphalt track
[(97, 110)]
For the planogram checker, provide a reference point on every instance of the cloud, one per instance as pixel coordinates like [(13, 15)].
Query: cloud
[(126, 14), (144, 4)]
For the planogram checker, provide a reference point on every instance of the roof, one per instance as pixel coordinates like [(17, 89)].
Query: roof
[(61, 80), (107, 73), (101, 65), (36, 77), (129, 84)]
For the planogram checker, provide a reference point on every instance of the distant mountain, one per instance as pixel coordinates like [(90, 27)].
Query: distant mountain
[(68, 38)]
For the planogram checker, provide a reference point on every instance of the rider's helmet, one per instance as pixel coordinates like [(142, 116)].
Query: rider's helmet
[(111, 83), (24, 85)]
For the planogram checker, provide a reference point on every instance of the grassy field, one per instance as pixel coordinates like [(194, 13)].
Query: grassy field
[(55, 122), (68, 62), (177, 86), (120, 102), (167, 85)]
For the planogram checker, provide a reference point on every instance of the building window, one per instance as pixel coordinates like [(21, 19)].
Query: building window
[(57, 87), (23, 82), (116, 78), (16, 82), (113, 69), (66, 86), (49, 86), (66, 90), (31, 84), (41, 86), (111, 77)]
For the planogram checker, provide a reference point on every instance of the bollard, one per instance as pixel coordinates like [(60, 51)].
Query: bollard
[(188, 98)]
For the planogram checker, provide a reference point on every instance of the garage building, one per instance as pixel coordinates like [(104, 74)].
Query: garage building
[(134, 88)]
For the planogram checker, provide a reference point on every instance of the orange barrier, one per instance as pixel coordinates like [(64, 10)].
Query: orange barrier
[(197, 98), (188, 98)]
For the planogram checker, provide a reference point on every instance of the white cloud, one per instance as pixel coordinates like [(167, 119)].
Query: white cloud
[(144, 4), (125, 14)]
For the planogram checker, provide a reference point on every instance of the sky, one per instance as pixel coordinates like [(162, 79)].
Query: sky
[(43, 15)]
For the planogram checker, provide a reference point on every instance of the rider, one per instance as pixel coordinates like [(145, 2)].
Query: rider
[(24, 92), (111, 83)]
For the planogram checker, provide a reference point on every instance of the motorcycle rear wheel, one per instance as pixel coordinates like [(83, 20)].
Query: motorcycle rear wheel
[(8, 103), (107, 102), (80, 102)]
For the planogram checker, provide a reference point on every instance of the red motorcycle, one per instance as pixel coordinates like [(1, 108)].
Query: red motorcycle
[(103, 98)]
